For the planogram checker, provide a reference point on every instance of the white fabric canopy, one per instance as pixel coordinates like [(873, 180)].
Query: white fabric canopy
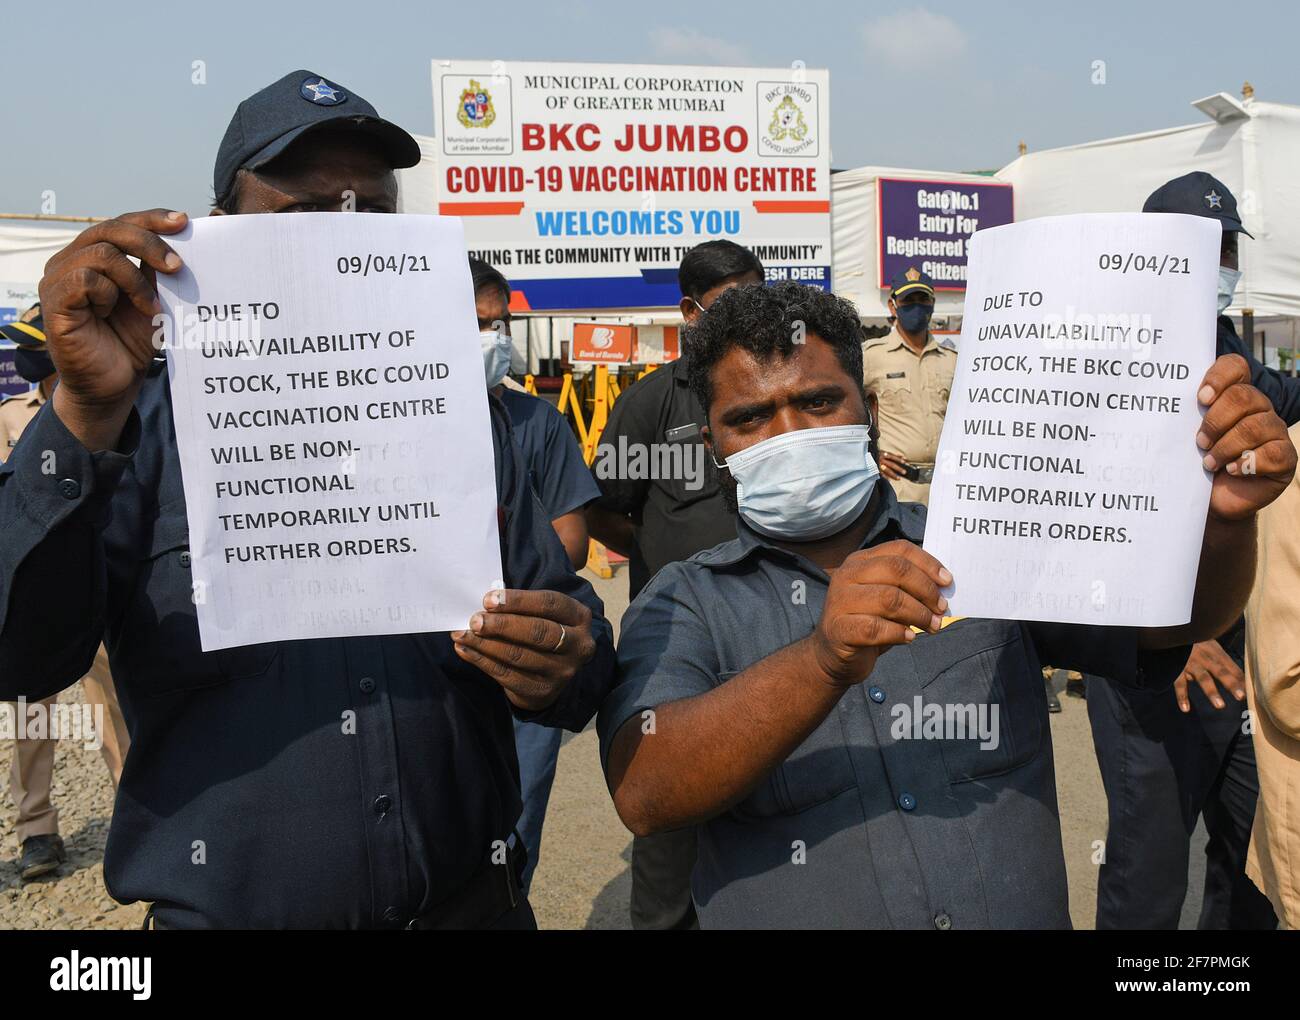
[(24, 250), (1256, 156)]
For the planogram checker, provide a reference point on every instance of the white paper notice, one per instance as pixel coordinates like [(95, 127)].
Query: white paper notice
[(332, 421), (1068, 485)]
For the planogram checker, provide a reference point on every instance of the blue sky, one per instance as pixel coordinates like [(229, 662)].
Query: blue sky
[(99, 96)]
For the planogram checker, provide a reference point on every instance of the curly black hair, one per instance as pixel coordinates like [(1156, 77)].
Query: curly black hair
[(767, 321)]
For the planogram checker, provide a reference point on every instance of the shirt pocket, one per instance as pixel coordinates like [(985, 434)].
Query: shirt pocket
[(895, 390), (158, 649), (941, 385), (978, 673), (816, 771)]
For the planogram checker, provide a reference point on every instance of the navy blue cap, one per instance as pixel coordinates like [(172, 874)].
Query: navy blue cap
[(911, 279), (31, 358), (1198, 194), (269, 121), (28, 331)]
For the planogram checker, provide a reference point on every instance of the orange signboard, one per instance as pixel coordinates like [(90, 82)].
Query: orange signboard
[(601, 343), (672, 346)]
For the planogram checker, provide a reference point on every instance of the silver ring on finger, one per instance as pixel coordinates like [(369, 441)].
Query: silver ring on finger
[(560, 643)]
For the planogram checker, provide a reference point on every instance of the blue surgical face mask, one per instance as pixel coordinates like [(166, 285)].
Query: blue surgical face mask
[(1228, 279), (804, 485), (914, 319), (496, 354)]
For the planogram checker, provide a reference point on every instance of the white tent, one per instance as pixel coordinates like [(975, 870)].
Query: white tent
[(855, 242), (24, 250), (1252, 146)]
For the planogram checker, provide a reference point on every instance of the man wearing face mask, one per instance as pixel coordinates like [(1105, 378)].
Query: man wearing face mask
[(908, 376), (1171, 759), (1201, 194), (563, 486), (773, 688), (660, 520), (402, 817)]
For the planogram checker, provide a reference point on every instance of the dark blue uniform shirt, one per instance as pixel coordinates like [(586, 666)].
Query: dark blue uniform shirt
[(864, 825), (347, 782), (1283, 391), (551, 454)]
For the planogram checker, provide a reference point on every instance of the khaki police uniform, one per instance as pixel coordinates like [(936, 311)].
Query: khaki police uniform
[(33, 763), (911, 394)]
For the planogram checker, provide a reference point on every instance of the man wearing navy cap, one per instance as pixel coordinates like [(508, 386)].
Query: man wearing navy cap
[(1172, 758), (1200, 194), (340, 783), (908, 375)]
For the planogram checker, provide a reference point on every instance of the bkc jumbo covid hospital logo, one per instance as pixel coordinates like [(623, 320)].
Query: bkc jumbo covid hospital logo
[(787, 119)]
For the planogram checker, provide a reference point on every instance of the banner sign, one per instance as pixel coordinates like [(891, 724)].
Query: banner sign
[(929, 224), (600, 343), (586, 183)]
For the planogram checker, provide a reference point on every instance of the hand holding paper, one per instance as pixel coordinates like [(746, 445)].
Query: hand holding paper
[(530, 642), (1245, 442), (99, 309)]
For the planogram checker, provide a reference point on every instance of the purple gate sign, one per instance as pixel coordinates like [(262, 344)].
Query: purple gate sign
[(928, 224)]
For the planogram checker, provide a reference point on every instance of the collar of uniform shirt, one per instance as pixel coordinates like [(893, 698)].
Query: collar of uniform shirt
[(892, 519)]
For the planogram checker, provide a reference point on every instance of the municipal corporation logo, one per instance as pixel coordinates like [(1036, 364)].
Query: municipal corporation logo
[(476, 107), (477, 119), (787, 118)]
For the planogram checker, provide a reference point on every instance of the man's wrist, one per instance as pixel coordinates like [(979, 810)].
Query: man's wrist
[(822, 665), (97, 427)]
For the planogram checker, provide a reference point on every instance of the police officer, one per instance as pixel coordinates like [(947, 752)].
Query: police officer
[(765, 701), (367, 781), (908, 376), (564, 486), (1169, 759), (32, 773)]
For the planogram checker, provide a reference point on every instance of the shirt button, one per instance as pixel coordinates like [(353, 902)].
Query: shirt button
[(185, 559), (367, 685), (942, 921), (906, 801), (70, 488), (383, 803), (876, 695)]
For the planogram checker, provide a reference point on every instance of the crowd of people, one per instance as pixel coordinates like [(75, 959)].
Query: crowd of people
[(780, 606)]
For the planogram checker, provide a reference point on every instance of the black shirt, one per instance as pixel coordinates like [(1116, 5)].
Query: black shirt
[(651, 464), (346, 782)]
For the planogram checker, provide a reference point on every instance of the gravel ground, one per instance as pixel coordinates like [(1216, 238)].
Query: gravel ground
[(583, 877)]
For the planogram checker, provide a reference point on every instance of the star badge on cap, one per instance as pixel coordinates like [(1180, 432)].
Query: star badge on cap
[(322, 92), (1213, 199), (912, 275)]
